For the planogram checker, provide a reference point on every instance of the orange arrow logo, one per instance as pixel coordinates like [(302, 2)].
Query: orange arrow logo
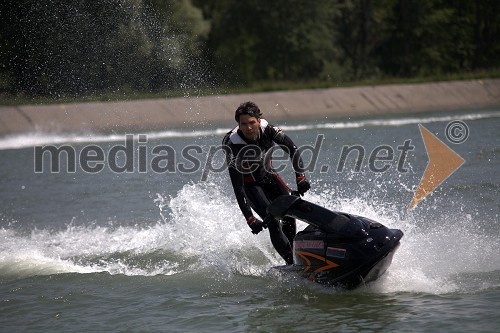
[(443, 161)]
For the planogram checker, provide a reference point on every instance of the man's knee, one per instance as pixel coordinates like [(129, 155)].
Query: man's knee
[(272, 224)]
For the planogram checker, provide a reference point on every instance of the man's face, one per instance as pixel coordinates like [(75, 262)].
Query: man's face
[(250, 127)]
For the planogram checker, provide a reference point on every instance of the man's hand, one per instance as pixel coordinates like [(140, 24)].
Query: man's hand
[(255, 224), (302, 184)]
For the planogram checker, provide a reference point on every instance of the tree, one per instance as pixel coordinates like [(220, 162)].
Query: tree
[(278, 40), (357, 36), (438, 36)]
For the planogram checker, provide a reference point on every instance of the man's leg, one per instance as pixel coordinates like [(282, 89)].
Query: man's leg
[(280, 241), (289, 228), (288, 223), (259, 202)]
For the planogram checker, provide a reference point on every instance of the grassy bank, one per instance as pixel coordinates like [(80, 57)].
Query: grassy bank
[(265, 86)]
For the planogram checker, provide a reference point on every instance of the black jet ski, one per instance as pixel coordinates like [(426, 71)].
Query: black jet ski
[(337, 249)]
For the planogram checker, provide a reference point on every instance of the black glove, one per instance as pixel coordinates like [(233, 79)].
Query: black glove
[(255, 224), (302, 184)]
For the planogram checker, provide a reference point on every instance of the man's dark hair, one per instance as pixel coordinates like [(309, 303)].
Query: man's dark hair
[(249, 108)]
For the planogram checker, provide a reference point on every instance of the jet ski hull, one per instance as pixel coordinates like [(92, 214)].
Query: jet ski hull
[(337, 249)]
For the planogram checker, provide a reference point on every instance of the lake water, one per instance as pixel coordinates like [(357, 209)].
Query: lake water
[(164, 247)]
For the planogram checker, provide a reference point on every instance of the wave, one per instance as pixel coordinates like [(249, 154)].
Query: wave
[(40, 138), (393, 122), (196, 233), (199, 234)]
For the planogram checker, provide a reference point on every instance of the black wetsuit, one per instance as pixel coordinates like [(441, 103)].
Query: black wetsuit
[(255, 182)]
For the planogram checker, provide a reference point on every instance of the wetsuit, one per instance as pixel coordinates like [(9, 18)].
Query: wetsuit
[(255, 182)]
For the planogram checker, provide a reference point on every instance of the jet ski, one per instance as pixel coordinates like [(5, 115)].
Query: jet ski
[(336, 249)]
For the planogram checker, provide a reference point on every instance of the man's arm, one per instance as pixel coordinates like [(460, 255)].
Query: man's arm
[(289, 147), (236, 178), (237, 182), (298, 166)]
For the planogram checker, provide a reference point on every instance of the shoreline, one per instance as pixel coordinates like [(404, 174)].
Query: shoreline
[(181, 112)]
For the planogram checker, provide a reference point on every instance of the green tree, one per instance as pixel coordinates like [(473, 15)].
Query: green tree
[(278, 40), (356, 36), (437, 36), (69, 47)]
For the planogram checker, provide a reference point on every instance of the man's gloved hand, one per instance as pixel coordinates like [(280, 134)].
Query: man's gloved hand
[(302, 184), (255, 224)]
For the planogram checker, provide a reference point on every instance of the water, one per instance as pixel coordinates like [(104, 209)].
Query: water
[(148, 251)]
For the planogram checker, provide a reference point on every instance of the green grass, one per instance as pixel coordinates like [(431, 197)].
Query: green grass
[(275, 86), (261, 86)]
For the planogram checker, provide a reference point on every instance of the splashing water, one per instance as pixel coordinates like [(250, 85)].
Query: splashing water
[(200, 232), (204, 232)]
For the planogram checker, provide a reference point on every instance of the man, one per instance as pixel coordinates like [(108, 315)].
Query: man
[(256, 184)]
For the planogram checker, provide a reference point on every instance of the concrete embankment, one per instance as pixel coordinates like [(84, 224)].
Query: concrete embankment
[(168, 113)]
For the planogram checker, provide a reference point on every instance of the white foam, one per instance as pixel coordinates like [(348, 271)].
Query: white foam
[(41, 138)]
